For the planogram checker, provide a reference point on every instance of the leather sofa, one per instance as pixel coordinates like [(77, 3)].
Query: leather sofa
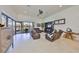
[(38, 30), (54, 36), (34, 34)]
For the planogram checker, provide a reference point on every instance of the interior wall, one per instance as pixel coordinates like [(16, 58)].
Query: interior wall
[(72, 18)]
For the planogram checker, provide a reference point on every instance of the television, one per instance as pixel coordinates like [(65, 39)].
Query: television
[(49, 27)]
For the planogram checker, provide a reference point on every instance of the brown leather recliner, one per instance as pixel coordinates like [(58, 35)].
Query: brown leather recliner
[(56, 35), (35, 35), (38, 30)]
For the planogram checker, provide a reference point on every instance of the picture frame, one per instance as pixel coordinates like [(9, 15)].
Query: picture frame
[(60, 21), (56, 22), (52, 22)]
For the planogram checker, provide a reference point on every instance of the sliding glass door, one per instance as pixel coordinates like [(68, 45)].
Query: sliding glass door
[(23, 27), (3, 20), (18, 27), (10, 23), (7, 21), (27, 25)]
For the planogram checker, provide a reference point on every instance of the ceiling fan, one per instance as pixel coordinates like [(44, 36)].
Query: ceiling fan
[(40, 12)]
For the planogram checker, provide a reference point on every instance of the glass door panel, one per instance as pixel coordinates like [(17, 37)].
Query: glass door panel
[(3, 20), (18, 27), (10, 23)]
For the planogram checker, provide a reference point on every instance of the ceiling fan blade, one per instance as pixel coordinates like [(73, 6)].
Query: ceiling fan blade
[(40, 12)]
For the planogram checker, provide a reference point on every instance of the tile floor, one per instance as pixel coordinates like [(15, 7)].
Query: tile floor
[(23, 43)]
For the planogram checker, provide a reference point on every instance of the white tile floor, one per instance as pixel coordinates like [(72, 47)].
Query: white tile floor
[(20, 38), (24, 43)]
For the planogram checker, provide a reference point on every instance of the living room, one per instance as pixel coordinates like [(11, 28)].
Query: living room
[(40, 28)]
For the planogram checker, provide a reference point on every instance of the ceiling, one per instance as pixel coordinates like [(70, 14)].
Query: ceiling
[(31, 11)]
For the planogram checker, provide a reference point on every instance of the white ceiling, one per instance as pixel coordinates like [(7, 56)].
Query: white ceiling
[(31, 11)]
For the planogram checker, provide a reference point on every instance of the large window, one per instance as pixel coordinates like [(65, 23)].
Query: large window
[(27, 25), (13, 25), (3, 20), (7, 21), (10, 22), (18, 26)]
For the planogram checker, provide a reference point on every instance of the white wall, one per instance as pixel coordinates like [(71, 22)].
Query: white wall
[(72, 18)]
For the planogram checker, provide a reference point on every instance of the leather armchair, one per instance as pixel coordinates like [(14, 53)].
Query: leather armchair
[(38, 30), (54, 36), (35, 35)]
